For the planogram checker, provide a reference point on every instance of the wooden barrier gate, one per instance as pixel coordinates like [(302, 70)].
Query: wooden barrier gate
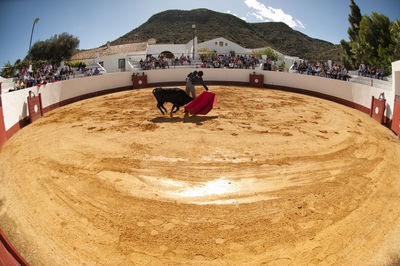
[(257, 80), (396, 116), (34, 106), (377, 110), (139, 81)]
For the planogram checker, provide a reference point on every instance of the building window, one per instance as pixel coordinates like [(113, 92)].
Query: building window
[(121, 63), (216, 43), (226, 44), (221, 44)]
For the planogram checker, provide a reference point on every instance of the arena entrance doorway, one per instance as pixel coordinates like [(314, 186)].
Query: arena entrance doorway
[(167, 54)]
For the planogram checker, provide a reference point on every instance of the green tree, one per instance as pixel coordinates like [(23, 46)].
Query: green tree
[(375, 45), (7, 71), (347, 57), (54, 50), (354, 20), (374, 40), (268, 52), (395, 33), (20, 64)]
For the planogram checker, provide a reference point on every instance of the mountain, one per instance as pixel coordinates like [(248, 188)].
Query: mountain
[(175, 26)]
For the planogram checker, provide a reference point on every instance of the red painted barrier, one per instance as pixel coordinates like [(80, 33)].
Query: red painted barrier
[(34, 106), (8, 254), (139, 81), (377, 110), (3, 133), (256, 80), (396, 116)]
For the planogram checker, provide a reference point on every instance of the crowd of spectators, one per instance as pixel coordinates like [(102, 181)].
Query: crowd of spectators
[(152, 62), (163, 61), (249, 62), (372, 72), (333, 71), (230, 61), (211, 61), (323, 69), (26, 77)]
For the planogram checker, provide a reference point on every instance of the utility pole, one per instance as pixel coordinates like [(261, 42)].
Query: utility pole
[(194, 32), (30, 43)]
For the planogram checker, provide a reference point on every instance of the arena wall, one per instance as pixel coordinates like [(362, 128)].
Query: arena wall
[(396, 77), (3, 136), (14, 104)]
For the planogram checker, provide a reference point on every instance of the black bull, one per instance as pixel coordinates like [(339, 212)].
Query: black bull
[(176, 96)]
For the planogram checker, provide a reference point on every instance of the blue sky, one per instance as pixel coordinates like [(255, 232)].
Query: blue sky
[(95, 22)]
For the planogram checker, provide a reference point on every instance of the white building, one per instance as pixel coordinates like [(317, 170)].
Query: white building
[(174, 50), (6, 84), (224, 47)]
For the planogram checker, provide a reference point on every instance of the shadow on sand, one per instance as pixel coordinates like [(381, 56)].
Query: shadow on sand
[(198, 120)]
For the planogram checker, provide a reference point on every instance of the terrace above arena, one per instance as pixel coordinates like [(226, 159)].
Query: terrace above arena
[(125, 57)]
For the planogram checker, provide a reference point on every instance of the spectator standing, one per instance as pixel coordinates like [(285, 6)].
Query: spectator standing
[(380, 73), (343, 74)]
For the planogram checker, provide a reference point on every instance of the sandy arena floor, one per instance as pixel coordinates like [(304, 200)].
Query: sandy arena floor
[(267, 177)]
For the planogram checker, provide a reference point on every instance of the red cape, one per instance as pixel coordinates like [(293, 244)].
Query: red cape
[(202, 104)]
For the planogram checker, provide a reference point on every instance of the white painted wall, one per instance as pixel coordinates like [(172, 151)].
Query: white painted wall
[(60, 91), (6, 84), (15, 107), (15, 103), (396, 77), (225, 49), (176, 49), (353, 92), (110, 62)]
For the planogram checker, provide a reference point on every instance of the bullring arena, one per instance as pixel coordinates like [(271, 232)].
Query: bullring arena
[(270, 176)]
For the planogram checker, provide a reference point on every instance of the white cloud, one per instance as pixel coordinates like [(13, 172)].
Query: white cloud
[(259, 17), (300, 24), (264, 13)]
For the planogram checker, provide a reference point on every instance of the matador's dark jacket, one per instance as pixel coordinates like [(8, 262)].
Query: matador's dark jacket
[(195, 80)]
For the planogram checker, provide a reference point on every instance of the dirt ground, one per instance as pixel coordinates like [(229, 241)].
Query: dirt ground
[(267, 177)]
